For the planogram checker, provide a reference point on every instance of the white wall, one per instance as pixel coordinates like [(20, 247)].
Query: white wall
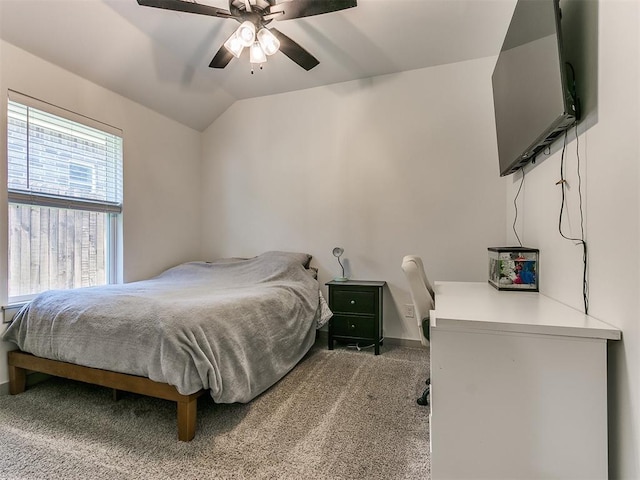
[(161, 163), (384, 167), (387, 166), (610, 165)]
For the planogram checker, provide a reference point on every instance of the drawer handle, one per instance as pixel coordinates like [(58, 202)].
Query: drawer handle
[(353, 302), (353, 326)]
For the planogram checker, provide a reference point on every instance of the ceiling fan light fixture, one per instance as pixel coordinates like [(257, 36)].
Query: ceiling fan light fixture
[(246, 33), (256, 54), (254, 15), (268, 41), (234, 45)]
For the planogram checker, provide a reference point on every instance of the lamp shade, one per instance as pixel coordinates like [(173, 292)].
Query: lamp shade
[(256, 54), (246, 33), (234, 45), (268, 41)]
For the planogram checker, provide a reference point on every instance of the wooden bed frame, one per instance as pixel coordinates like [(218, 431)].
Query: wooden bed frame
[(21, 362)]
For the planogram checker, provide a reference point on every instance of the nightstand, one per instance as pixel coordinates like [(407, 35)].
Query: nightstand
[(357, 312)]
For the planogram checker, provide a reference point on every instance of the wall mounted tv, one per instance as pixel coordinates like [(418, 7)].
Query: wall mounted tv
[(533, 95)]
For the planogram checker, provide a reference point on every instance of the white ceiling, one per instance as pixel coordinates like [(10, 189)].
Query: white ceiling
[(160, 58)]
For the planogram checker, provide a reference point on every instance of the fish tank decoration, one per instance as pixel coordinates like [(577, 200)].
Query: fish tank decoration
[(514, 268)]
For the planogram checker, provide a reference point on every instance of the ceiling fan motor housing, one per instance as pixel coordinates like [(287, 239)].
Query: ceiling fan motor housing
[(258, 9)]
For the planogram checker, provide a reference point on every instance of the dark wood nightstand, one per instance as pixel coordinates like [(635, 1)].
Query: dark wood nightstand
[(357, 312)]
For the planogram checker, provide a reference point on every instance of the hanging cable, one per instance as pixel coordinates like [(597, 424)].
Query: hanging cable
[(515, 206), (580, 241)]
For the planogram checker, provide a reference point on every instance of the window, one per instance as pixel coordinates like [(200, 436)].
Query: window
[(65, 198), (81, 178)]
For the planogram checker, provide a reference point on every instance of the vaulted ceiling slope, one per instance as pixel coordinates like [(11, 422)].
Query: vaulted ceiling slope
[(160, 58)]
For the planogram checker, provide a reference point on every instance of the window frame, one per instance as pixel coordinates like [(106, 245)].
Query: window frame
[(113, 210)]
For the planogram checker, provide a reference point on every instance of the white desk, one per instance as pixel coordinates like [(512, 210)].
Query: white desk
[(518, 386)]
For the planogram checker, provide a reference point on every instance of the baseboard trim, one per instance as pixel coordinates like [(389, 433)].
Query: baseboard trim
[(404, 342)]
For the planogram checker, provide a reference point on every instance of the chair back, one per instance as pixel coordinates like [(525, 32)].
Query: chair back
[(421, 291)]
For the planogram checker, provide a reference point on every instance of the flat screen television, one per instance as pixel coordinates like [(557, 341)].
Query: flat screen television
[(533, 95)]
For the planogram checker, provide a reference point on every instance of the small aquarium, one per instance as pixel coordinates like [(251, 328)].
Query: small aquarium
[(514, 268)]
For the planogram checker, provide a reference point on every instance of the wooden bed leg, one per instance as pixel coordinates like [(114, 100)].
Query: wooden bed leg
[(187, 410), (17, 380), (116, 394)]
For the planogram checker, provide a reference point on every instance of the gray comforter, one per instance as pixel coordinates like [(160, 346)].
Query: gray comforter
[(232, 327)]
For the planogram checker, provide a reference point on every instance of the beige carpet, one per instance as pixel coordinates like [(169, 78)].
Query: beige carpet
[(339, 414)]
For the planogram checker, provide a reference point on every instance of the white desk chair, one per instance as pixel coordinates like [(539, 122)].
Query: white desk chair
[(422, 297)]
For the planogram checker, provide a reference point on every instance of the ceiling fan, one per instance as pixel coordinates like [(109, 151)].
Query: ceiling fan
[(254, 16)]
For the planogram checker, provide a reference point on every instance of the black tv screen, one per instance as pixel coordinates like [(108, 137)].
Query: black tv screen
[(532, 100)]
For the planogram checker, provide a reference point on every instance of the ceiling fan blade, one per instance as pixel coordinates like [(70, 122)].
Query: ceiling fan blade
[(306, 8), (188, 7), (221, 58), (294, 51)]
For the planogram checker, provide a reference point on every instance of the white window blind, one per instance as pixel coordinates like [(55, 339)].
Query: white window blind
[(57, 162), (64, 183)]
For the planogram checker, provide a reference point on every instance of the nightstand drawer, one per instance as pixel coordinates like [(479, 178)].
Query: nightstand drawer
[(348, 301), (351, 326)]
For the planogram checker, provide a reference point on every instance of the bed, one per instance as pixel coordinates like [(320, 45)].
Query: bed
[(231, 327)]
